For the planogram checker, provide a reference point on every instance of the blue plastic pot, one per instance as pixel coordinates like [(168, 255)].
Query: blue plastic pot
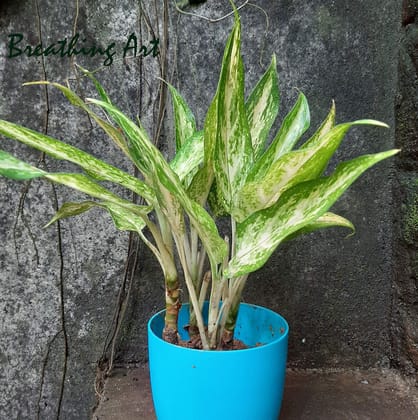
[(245, 384)]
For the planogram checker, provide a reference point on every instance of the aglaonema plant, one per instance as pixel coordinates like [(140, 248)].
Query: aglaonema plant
[(271, 193)]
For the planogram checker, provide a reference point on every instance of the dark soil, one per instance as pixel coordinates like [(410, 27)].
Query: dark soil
[(196, 343)]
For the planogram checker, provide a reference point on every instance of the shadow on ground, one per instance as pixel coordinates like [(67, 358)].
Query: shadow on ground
[(313, 395)]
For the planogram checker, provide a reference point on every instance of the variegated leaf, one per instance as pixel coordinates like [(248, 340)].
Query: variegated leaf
[(233, 149), (71, 209), (291, 169), (216, 202), (323, 129), (132, 212), (260, 234), (17, 169), (75, 100), (294, 125), (327, 220), (13, 168), (203, 179), (60, 150), (168, 183), (103, 95), (84, 184), (124, 218), (98, 86), (262, 107), (185, 122), (188, 159)]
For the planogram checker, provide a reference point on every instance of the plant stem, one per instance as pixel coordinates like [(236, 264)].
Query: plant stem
[(230, 315), (214, 305), (203, 290), (192, 291), (171, 282), (196, 279)]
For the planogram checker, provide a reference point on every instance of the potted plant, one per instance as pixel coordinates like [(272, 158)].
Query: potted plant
[(270, 195)]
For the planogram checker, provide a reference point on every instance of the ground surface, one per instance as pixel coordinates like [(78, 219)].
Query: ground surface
[(358, 395)]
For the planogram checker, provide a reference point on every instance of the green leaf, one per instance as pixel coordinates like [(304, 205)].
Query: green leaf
[(262, 107), (323, 129), (233, 150), (13, 168), (327, 220), (71, 209), (84, 184), (184, 119), (17, 169), (291, 169), (169, 186), (60, 150), (96, 83), (103, 95), (75, 100), (216, 202), (260, 234), (187, 160), (123, 218), (294, 125), (204, 178)]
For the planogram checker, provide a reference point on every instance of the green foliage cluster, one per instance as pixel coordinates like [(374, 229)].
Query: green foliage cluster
[(271, 193)]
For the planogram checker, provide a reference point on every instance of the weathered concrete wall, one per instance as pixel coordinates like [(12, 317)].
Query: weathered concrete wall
[(405, 306), (61, 287)]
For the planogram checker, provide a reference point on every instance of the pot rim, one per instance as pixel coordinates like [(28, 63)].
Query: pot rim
[(275, 341)]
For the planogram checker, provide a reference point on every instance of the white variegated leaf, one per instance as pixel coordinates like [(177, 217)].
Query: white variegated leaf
[(260, 234), (233, 149), (291, 169), (60, 150), (169, 185), (185, 123), (294, 125), (188, 159), (203, 179), (323, 129), (75, 100), (262, 107), (14, 168), (327, 220)]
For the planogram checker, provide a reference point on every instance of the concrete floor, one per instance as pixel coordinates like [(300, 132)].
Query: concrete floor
[(313, 395)]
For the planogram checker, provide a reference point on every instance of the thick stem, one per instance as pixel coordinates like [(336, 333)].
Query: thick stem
[(172, 285), (230, 315), (219, 285), (193, 262), (172, 307), (214, 305)]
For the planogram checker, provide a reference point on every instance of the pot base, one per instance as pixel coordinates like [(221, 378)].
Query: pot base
[(189, 384)]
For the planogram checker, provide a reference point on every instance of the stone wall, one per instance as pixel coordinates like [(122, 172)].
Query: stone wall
[(68, 290), (405, 287), (62, 287)]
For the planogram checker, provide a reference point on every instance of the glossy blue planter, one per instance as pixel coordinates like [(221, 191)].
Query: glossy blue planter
[(245, 384)]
